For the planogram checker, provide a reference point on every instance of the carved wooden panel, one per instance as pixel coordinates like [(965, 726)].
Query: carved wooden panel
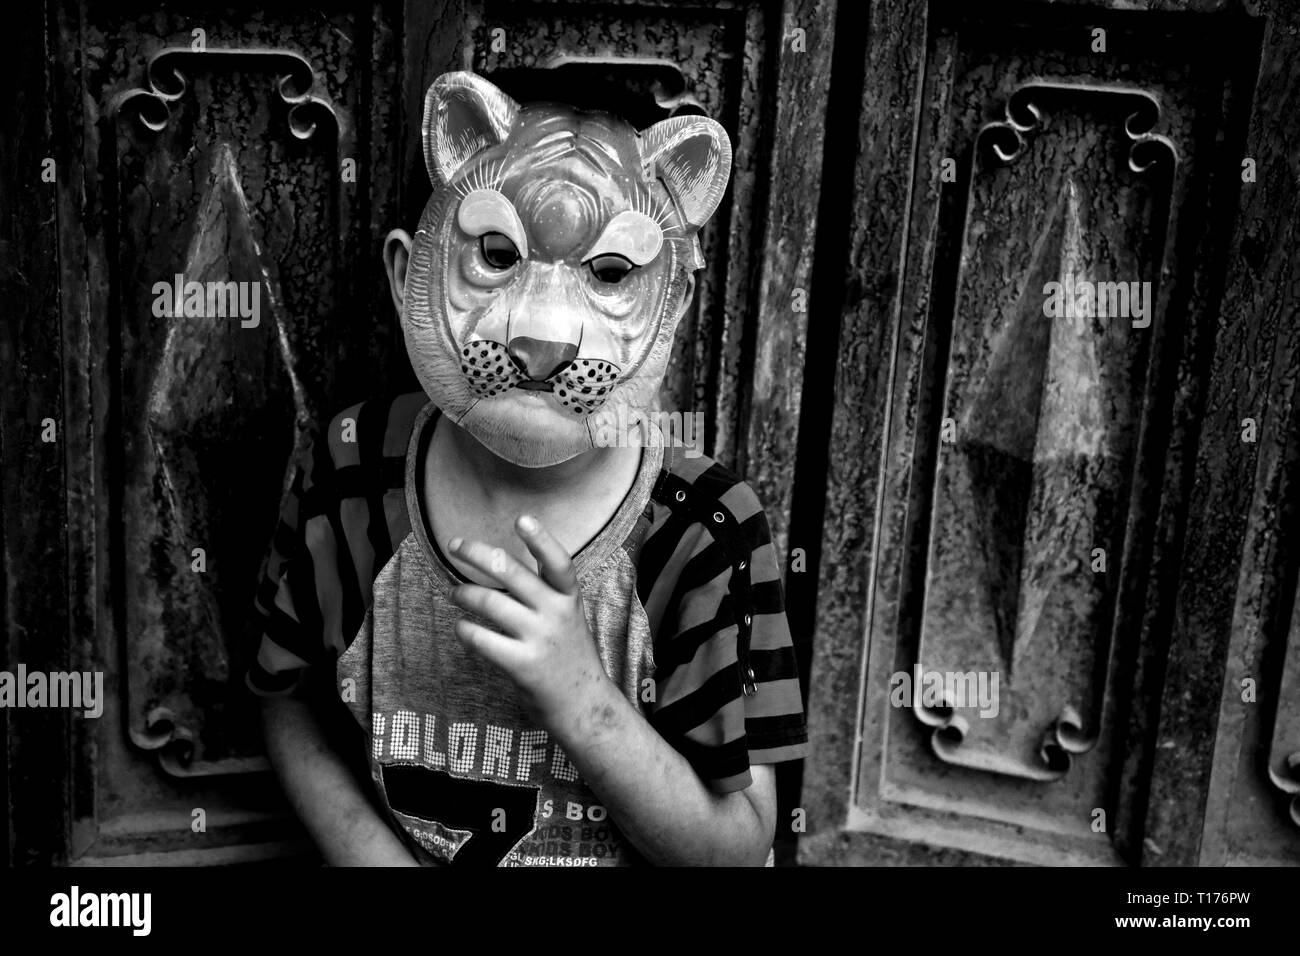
[(1031, 483), (214, 395), (235, 173), (1011, 486)]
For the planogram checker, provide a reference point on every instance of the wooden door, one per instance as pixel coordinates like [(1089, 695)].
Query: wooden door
[(276, 149), (982, 457), (940, 461)]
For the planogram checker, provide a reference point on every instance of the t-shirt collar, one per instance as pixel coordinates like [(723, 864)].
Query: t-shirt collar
[(591, 557)]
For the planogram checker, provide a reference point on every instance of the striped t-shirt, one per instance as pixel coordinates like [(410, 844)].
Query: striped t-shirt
[(681, 589)]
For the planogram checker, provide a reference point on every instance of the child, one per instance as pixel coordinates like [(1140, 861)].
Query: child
[(562, 637)]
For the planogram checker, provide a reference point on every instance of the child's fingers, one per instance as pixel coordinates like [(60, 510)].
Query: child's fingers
[(501, 609), (552, 560), (497, 649), (502, 567)]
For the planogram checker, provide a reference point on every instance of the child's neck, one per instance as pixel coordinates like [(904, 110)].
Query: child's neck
[(471, 493), (505, 482)]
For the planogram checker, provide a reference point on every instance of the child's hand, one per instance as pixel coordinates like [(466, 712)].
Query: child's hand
[(542, 643)]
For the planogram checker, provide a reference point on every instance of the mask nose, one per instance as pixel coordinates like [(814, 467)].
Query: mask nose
[(538, 358)]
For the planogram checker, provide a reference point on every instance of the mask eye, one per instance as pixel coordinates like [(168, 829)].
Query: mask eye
[(498, 249), (610, 268)]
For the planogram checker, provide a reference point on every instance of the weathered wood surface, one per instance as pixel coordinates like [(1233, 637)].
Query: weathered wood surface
[(890, 574), (223, 160), (176, 435), (1232, 621), (180, 431)]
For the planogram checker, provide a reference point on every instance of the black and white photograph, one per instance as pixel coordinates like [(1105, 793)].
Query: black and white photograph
[(816, 436)]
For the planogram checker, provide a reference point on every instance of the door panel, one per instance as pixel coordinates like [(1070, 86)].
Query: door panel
[(978, 483), (217, 156)]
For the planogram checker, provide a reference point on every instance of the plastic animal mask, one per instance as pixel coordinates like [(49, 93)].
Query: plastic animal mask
[(552, 264)]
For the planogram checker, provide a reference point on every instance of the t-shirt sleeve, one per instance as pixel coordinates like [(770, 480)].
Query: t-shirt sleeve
[(294, 577), (726, 678)]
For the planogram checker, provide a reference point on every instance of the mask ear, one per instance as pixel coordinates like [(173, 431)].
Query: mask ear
[(463, 114), (692, 155)]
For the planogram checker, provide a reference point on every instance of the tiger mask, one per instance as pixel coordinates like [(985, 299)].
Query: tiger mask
[(551, 265)]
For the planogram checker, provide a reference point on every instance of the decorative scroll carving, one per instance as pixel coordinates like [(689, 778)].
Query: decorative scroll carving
[(644, 89), (174, 745), (210, 403), (167, 83), (1045, 411), (1006, 138)]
